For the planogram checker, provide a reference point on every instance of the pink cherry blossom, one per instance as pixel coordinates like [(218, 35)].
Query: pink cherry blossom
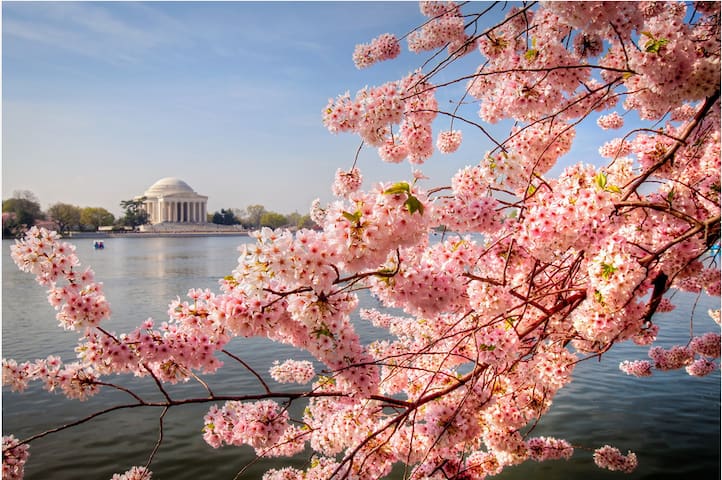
[(347, 182), (490, 286), (448, 141), (15, 455), (135, 473), (546, 448), (701, 367), (611, 121), (671, 359), (637, 368), (707, 345), (293, 371), (612, 459), (383, 47)]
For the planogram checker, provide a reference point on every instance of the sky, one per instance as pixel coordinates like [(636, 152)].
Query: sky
[(102, 99)]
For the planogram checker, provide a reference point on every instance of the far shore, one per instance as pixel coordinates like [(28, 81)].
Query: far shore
[(73, 235)]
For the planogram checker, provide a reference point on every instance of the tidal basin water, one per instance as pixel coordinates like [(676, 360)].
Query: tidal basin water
[(671, 420)]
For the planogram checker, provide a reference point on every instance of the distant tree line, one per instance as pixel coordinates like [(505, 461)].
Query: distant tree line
[(22, 210), (256, 216)]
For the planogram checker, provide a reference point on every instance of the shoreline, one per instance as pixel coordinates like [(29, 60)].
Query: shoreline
[(84, 235)]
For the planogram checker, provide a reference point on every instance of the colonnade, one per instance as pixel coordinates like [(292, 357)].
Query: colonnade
[(179, 211)]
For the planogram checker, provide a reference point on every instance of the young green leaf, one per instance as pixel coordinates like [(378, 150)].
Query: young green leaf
[(400, 187), (608, 270), (601, 180), (414, 205), (352, 217)]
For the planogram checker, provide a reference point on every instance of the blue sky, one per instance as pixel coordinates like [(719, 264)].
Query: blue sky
[(102, 99)]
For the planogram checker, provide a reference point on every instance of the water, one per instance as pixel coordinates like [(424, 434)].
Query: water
[(671, 420)]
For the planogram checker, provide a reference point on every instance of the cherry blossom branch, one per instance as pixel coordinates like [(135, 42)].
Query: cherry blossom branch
[(659, 207), (669, 155), (711, 228), (160, 438), (84, 420), (121, 388)]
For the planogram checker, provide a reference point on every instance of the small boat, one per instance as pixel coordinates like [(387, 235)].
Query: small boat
[(98, 245)]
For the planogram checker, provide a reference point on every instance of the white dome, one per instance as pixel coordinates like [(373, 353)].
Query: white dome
[(168, 186)]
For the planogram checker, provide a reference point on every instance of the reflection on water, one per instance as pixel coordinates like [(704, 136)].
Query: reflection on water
[(671, 420)]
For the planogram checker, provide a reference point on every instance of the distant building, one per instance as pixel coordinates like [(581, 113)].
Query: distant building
[(172, 200)]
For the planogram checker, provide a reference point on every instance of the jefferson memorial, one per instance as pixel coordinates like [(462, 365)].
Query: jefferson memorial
[(171, 199)]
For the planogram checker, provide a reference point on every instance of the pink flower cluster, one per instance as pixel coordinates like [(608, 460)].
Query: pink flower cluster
[(666, 72), (445, 27), (372, 225), (672, 359), (515, 82), (448, 141), (612, 459), (567, 264), (540, 145), (701, 367), (470, 182), (615, 149), (14, 458), (372, 114), (383, 47), (80, 300), (507, 171), (427, 281), (610, 121), (480, 464), (648, 334), (571, 211), (707, 345), (188, 341), (637, 368), (321, 468), (346, 182), (135, 473), (597, 325), (74, 380), (259, 424), (316, 319), (614, 274), (470, 215), (548, 448), (293, 371)]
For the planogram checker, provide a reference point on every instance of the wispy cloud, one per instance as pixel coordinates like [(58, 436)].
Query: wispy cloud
[(108, 32)]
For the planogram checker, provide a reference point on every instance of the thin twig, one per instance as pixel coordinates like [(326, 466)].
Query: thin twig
[(248, 367), (160, 438)]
